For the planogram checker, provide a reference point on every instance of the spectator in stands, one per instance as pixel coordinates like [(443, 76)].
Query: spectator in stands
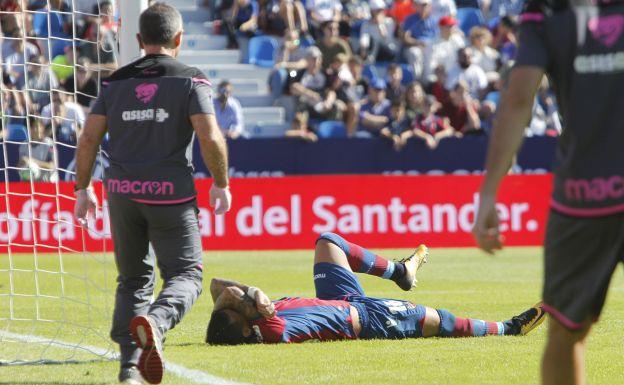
[(399, 123), (66, 117), (331, 44), (377, 35), (244, 19), (446, 45), (419, 33), (107, 44), (353, 92), (228, 112), (395, 89), (14, 63), (86, 91), (291, 54), (14, 105), (322, 11), (483, 55), (461, 109), (501, 8), (414, 101), (401, 9), (299, 128), (470, 73), (505, 32), (10, 18), (441, 8), (489, 104), (40, 81), (329, 107), (544, 117), (310, 81), (438, 87), (279, 16), (375, 111), (339, 67), (356, 13), (431, 127), (63, 65), (37, 157)]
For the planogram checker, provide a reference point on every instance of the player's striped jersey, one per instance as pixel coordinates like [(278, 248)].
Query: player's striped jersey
[(302, 319)]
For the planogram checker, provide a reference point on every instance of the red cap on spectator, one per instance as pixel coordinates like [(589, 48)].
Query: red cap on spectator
[(447, 21)]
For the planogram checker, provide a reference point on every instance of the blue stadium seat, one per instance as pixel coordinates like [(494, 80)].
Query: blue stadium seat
[(262, 51), (468, 18), (17, 133), (332, 129)]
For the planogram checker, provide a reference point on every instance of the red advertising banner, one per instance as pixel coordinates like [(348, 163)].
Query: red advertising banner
[(289, 213)]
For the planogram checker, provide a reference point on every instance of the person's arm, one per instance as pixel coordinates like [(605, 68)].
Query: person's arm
[(212, 147), (88, 144), (242, 298), (371, 121), (474, 122), (299, 89), (87, 148), (513, 114)]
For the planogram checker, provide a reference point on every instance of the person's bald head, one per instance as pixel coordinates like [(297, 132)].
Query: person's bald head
[(160, 25)]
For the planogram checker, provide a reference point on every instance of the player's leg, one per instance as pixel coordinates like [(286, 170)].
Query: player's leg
[(174, 234), (135, 282), (442, 323), (563, 362), (581, 255), (333, 248)]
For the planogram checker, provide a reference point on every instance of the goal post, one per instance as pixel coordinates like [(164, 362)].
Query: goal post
[(56, 288), (129, 12)]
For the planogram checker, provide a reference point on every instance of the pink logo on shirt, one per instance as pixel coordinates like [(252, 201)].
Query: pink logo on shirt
[(145, 91), (606, 29)]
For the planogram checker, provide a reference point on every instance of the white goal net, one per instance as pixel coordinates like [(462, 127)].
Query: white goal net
[(56, 279)]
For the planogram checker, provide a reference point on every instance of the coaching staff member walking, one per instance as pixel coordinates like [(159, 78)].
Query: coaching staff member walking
[(151, 110), (581, 46)]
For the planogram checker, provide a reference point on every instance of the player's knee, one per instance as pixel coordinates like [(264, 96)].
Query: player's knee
[(447, 322), (430, 323), (562, 335), (329, 237)]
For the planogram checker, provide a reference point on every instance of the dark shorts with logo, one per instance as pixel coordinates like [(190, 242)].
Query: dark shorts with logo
[(581, 255)]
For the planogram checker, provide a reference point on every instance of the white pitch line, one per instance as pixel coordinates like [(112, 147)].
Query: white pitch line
[(193, 375)]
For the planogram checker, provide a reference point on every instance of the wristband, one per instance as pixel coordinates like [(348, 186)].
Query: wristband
[(251, 292)]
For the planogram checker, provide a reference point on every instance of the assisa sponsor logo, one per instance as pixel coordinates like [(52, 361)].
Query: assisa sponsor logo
[(158, 115)]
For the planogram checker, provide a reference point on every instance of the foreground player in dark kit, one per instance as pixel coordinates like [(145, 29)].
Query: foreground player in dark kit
[(581, 47), (341, 310), (151, 109)]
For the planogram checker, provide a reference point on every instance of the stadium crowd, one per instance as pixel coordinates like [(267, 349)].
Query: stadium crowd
[(48, 81), (395, 69)]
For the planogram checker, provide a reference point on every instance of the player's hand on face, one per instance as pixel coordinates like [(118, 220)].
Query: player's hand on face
[(86, 204), (485, 229), (220, 199)]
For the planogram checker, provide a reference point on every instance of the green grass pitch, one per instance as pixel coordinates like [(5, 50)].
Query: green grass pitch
[(464, 281)]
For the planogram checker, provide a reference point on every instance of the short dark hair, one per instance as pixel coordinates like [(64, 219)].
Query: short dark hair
[(224, 330), (159, 24)]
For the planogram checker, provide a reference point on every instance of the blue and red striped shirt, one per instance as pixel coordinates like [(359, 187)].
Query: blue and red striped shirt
[(302, 319)]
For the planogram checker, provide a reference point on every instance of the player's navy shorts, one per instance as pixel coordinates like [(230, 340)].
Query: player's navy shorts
[(380, 318), (581, 255)]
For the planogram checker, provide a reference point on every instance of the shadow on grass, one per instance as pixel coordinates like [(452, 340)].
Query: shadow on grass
[(183, 344)]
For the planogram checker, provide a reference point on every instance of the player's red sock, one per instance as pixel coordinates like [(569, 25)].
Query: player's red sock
[(362, 260), (451, 326)]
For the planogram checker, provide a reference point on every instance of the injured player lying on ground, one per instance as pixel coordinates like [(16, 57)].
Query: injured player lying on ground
[(341, 310)]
